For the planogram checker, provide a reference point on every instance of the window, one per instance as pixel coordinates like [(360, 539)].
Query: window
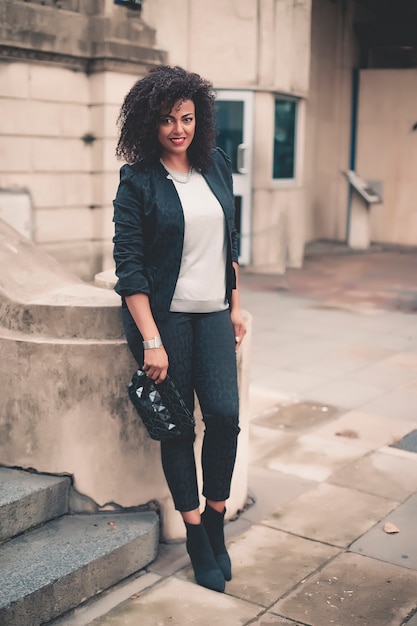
[(284, 138)]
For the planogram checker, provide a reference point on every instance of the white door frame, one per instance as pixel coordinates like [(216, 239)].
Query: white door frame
[(242, 179)]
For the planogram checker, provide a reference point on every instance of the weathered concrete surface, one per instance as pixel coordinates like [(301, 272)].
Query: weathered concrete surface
[(52, 569), (27, 500)]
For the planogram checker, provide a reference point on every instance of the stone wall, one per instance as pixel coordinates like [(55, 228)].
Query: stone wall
[(65, 68)]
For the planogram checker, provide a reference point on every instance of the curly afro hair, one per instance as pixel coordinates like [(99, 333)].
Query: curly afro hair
[(155, 95)]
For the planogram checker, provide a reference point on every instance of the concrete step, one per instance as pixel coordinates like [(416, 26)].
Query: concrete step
[(28, 500), (52, 569)]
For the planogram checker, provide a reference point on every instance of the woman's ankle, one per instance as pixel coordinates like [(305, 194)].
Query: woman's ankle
[(220, 507), (191, 517)]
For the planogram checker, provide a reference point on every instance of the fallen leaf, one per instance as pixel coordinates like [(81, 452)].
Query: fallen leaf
[(390, 528), (349, 434)]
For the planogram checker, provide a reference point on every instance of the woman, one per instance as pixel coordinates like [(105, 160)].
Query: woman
[(175, 248)]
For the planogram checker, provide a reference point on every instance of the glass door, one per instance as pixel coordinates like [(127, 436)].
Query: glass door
[(234, 111)]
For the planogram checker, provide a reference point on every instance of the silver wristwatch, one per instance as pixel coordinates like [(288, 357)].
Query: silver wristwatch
[(156, 342)]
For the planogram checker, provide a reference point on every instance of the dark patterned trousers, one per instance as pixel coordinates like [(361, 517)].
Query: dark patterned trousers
[(202, 358)]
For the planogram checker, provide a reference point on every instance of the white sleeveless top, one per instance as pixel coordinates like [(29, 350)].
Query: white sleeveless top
[(201, 285)]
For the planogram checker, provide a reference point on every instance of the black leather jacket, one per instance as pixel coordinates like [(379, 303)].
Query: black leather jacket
[(149, 230)]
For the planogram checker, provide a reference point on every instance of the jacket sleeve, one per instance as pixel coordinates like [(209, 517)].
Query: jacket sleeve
[(233, 232), (129, 237)]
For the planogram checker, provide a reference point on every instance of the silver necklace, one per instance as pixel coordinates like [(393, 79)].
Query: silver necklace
[(174, 174)]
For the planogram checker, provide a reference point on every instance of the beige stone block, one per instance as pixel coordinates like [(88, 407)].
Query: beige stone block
[(76, 189), (234, 63), (263, 143), (58, 84), (51, 155), (301, 46), (155, 15), (110, 87), (283, 46), (23, 117), (296, 228), (104, 187), (49, 119), (266, 58), (108, 226), (75, 120), (14, 80), (102, 224), (46, 190), (15, 154), (104, 120), (269, 243), (63, 225), (103, 156)]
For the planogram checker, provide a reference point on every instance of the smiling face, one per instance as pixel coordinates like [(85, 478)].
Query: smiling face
[(176, 130)]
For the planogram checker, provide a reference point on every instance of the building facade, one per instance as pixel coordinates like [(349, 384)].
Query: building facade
[(306, 90)]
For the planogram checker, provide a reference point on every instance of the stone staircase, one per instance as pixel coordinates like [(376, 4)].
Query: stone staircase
[(52, 561)]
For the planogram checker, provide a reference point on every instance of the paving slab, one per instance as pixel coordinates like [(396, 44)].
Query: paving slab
[(99, 606), (389, 373), (270, 490), (312, 457), (381, 474), (290, 381), (301, 415), (268, 563), (333, 514), (405, 359), (346, 392), (365, 429), (266, 442), (262, 400), (398, 548), (267, 619), (350, 591), (399, 404), (180, 603)]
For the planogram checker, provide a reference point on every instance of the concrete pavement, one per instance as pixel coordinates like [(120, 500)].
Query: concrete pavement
[(333, 389)]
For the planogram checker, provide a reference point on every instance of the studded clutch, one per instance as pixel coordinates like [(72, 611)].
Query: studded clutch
[(160, 407)]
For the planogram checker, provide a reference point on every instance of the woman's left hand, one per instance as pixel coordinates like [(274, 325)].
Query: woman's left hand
[(239, 326)]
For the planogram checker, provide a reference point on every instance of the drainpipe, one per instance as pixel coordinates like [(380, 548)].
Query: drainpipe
[(353, 141)]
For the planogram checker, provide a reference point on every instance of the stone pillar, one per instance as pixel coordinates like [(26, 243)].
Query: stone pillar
[(64, 373)]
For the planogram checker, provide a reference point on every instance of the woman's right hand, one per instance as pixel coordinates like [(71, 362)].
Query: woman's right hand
[(155, 364)]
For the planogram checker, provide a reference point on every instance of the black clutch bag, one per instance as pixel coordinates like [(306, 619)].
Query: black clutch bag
[(160, 407)]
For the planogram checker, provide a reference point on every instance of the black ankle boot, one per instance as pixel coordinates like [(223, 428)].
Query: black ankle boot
[(206, 569), (213, 522)]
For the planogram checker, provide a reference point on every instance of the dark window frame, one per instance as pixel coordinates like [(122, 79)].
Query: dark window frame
[(284, 153)]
